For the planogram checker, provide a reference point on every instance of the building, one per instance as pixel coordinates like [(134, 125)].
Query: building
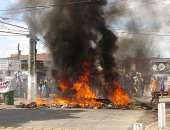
[(42, 62), (160, 66), (8, 67)]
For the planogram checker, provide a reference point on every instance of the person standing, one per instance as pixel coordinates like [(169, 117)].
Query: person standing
[(154, 89), (161, 86), (136, 85), (141, 85), (53, 87), (40, 88), (130, 84), (168, 90), (45, 91)]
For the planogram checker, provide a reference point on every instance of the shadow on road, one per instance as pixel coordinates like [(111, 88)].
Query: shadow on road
[(17, 117)]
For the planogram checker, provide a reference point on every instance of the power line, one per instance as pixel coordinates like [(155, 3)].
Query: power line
[(40, 7), (142, 33), (14, 25), (42, 42), (9, 18), (30, 8), (148, 4), (16, 35), (9, 29), (9, 32), (27, 8)]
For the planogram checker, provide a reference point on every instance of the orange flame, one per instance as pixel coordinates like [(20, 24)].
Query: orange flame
[(118, 96), (63, 85), (82, 87), (41, 102), (83, 95)]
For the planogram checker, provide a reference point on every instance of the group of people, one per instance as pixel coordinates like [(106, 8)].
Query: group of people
[(133, 83), (157, 87), (157, 84), (136, 84), (46, 87)]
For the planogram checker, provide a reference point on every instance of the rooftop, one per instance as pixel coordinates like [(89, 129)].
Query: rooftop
[(40, 57)]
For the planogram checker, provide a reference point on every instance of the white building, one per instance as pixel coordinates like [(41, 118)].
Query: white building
[(8, 67)]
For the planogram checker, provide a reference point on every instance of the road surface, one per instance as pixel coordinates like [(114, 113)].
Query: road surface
[(83, 119)]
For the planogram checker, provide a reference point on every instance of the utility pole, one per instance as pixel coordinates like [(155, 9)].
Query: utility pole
[(19, 82), (32, 77), (19, 52)]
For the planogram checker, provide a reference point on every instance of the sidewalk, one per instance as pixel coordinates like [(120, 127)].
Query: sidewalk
[(16, 102), (3, 106), (154, 126), (30, 128)]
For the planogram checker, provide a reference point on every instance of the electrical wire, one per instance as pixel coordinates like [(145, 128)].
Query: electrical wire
[(40, 7), (8, 18), (16, 35), (14, 25), (112, 29), (142, 33), (42, 42), (27, 8), (9, 29), (9, 32), (30, 8), (121, 30)]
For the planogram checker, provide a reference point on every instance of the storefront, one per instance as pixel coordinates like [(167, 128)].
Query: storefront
[(160, 68)]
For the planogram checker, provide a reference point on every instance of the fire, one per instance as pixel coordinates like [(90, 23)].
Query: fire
[(41, 102), (118, 96), (63, 85), (60, 101), (82, 94), (82, 87)]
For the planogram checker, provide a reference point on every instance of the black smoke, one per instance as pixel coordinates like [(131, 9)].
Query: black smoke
[(71, 30), (75, 32)]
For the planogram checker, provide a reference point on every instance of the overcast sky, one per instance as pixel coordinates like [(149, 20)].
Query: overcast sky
[(161, 18), (8, 44)]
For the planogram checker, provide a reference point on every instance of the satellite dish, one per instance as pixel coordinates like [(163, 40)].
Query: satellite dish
[(161, 67)]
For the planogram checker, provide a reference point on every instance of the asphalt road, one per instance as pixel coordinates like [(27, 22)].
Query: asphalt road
[(84, 119)]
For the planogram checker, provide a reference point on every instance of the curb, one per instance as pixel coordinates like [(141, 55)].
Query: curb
[(150, 126), (153, 125), (30, 128)]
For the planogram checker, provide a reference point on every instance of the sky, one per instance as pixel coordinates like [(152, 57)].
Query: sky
[(8, 44), (151, 16)]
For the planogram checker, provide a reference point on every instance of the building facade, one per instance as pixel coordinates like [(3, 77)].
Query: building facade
[(9, 67), (42, 60)]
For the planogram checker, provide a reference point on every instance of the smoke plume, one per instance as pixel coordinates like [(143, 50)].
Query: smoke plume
[(136, 39), (70, 33), (75, 32)]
